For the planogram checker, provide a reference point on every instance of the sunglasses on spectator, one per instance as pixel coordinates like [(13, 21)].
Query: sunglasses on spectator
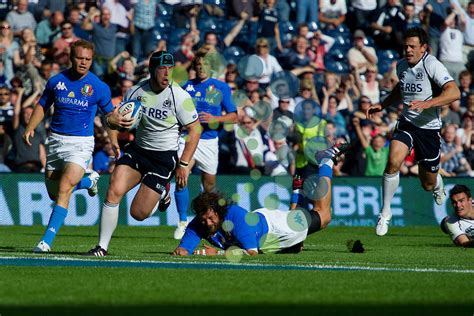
[(258, 46), (247, 122), (5, 27)]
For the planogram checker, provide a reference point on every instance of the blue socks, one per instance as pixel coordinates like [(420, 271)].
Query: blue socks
[(182, 203), (85, 183), (325, 171), (55, 222)]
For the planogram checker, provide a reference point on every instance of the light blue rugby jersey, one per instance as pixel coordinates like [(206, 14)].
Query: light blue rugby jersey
[(211, 96), (75, 103), (243, 233)]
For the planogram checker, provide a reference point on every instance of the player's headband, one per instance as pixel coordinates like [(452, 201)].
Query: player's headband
[(161, 58)]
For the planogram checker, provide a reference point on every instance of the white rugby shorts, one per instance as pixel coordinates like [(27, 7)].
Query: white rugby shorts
[(206, 155), (63, 149), (283, 231)]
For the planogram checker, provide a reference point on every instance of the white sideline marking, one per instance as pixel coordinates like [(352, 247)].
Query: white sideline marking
[(56, 261)]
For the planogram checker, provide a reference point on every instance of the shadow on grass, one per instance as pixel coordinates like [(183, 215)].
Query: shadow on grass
[(232, 309)]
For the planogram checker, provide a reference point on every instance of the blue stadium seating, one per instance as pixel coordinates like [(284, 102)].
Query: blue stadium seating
[(337, 67), (287, 27), (220, 3), (164, 10), (210, 24), (232, 54), (177, 34)]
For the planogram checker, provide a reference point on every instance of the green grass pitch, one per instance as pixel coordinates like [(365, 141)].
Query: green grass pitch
[(424, 275)]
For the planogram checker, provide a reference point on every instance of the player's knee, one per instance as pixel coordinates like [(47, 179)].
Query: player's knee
[(325, 219), (113, 196), (139, 215), (428, 185)]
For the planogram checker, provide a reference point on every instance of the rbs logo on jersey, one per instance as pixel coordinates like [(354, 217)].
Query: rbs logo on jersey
[(410, 87), (155, 113)]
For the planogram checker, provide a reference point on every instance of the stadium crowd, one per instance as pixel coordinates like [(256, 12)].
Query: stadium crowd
[(337, 58)]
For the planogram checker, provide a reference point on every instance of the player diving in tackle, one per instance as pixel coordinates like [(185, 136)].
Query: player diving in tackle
[(262, 231)]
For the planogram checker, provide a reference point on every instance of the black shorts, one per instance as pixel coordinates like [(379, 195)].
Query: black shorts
[(426, 142), (156, 167)]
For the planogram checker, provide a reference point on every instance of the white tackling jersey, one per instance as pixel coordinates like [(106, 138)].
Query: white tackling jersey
[(458, 226), (422, 82), (162, 115)]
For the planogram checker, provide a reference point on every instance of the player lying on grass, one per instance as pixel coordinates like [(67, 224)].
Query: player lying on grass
[(460, 225), (224, 224)]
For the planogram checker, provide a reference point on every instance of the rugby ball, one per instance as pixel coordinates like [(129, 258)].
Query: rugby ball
[(134, 107)]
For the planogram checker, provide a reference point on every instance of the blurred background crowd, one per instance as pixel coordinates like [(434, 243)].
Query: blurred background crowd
[(320, 65)]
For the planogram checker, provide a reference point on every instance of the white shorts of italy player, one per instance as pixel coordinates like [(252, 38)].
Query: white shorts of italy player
[(285, 229), (61, 149), (206, 154)]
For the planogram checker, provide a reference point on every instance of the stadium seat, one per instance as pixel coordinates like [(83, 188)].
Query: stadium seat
[(177, 34), (337, 54), (313, 26), (387, 55), (220, 3), (232, 54), (338, 67), (164, 10), (287, 27), (343, 42), (209, 24)]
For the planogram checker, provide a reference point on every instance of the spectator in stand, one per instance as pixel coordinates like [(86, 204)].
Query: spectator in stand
[(184, 56), (5, 146), (451, 43), (307, 11), (7, 110), (436, 12), (144, 21), (388, 27), (465, 82), (44, 8), (75, 18), (360, 14), (28, 158), (330, 113), (103, 37), (124, 66), (451, 114), (332, 13), (62, 46), (126, 136), (299, 60), (465, 138), (307, 91), (268, 26), (331, 83), (370, 86), (103, 159), (270, 63), (8, 47), (412, 19), (27, 60), (49, 30), (120, 17), (250, 157), (453, 161), (361, 56), (468, 48), (376, 153), (21, 18), (320, 44)]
